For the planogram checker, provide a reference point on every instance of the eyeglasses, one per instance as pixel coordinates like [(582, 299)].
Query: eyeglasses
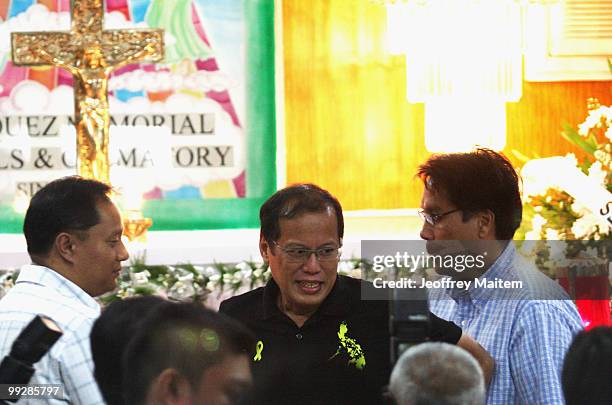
[(302, 254), (433, 219)]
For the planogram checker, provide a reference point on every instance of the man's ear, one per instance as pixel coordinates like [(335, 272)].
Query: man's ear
[(486, 224), (170, 388), (264, 247), (64, 245)]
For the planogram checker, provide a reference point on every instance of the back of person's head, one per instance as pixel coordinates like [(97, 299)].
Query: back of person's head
[(587, 368), (183, 337), (293, 201), (66, 204), (109, 337), (437, 374), (475, 181)]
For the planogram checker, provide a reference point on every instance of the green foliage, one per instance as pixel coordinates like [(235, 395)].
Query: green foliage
[(588, 144), (187, 282), (556, 208), (528, 214)]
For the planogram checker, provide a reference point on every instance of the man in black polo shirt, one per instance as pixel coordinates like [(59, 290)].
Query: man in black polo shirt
[(318, 342)]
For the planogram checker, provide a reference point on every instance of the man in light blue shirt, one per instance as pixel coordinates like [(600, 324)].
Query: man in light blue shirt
[(471, 206), (73, 232)]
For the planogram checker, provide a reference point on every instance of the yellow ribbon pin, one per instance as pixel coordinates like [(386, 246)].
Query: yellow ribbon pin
[(259, 350)]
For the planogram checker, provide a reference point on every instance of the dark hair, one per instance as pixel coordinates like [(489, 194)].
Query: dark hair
[(293, 201), (587, 368), (475, 181), (183, 336), (110, 334), (66, 204)]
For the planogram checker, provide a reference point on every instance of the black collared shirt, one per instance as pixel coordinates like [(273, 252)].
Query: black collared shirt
[(339, 356)]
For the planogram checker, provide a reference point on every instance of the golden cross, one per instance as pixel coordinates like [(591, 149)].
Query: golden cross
[(90, 53)]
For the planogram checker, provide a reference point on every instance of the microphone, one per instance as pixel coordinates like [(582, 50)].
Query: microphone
[(31, 345)]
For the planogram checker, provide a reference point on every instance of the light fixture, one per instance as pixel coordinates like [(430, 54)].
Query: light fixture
[(464, 61)]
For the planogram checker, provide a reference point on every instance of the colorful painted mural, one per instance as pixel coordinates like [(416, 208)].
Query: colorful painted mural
[(177, 127)]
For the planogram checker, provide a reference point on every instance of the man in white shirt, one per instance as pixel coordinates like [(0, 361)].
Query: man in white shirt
[(73, 232)]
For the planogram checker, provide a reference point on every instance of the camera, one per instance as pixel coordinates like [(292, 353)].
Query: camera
[(33, 342), (409, 322)]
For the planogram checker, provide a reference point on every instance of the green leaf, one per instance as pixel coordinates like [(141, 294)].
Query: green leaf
[(108, 298), (592, 139), (584, 166), (523, 158), (141, 290), (157, 270), (570, 134)]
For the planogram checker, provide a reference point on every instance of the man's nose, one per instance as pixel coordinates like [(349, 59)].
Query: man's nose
[(312, 264), (426, 231), (123, 252)]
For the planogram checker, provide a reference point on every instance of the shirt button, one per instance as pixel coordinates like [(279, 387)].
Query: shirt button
[(299, 336)]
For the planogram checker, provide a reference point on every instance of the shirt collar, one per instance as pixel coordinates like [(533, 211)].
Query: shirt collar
[(337, 302), (270, 294), (51, 279), (499, 269)]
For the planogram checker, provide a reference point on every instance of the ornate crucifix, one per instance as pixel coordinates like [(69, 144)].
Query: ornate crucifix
[(90, 54)]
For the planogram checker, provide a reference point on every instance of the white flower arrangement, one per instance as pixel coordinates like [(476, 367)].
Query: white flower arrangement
[(550, 213), (195, 283), (600, 116), (186, 282), (596, 131)]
